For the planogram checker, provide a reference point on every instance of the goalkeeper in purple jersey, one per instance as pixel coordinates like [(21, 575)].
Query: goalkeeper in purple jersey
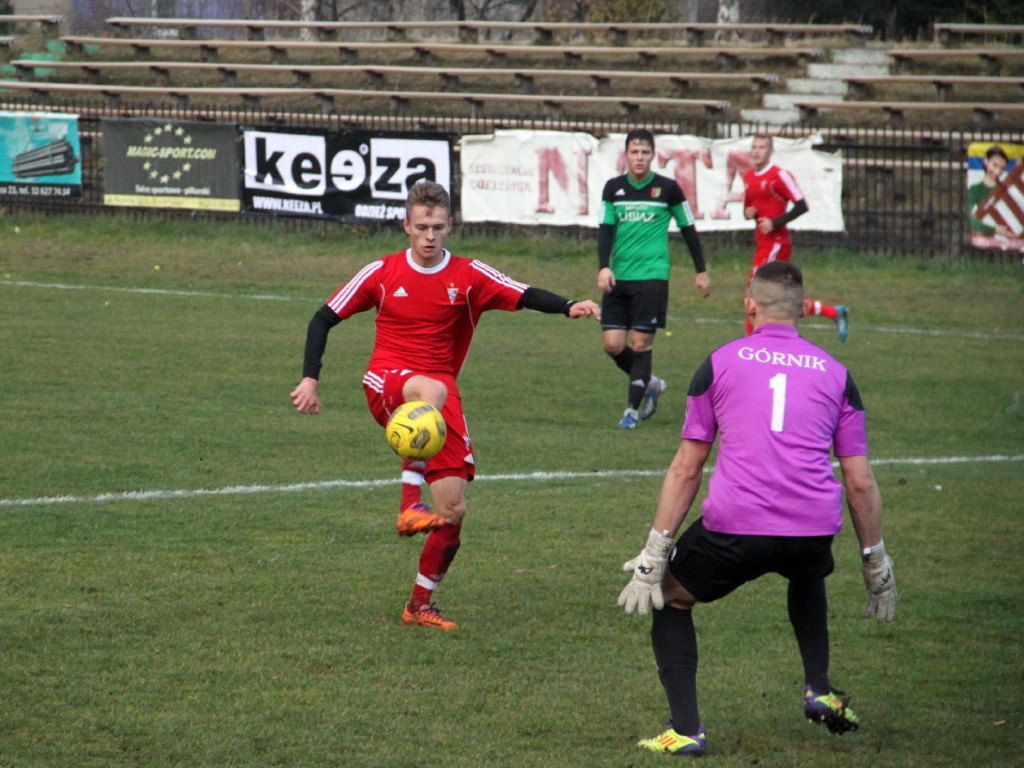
[(780, 408)]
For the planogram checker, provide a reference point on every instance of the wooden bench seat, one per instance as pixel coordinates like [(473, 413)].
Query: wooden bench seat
[(986, 114), (328, 98), (449, 76), (49, 23), (861, 85), (990, 58), (729, 56), (950, 33), (469, 30)]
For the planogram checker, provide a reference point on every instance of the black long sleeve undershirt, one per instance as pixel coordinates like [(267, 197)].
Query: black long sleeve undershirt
[(696, 252), (545, 301), (316, 341), (605, 241), (799, 209)]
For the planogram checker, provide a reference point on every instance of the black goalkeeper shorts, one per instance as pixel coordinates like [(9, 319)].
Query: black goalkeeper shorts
[(710, 565)]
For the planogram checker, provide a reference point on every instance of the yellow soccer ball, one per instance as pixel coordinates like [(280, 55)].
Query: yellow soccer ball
[(416, 430)]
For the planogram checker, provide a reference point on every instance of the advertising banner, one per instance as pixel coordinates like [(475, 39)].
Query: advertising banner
[(170, 164), (40, 155), (532, 177), (995, 196), (357, 176), (552, 177)]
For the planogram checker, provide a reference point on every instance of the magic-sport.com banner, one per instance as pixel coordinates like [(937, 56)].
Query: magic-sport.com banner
[(357, 176), (170, 164), (40, 156), (556, 178)]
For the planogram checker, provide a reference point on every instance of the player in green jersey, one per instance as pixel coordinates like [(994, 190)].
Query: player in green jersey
[(633, 268)]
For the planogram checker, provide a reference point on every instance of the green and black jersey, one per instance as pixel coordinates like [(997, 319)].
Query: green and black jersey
[(640, 215)]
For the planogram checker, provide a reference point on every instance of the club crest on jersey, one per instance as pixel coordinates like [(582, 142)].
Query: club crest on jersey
[(453, 293), (655, 191), (400, 293)]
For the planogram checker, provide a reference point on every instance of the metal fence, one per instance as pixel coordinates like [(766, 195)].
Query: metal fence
[(904, 191)]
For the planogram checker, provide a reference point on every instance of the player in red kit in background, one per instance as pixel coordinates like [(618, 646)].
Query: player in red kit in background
[(428, 302), (769, 191)]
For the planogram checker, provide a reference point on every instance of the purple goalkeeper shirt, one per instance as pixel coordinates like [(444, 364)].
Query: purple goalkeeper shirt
[(779, 405)]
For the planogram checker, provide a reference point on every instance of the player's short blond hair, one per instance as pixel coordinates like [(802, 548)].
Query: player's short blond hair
[(429, 194)]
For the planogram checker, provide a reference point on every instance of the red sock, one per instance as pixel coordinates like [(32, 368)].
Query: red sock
[(438, 552), (412, 480), (812, 307)]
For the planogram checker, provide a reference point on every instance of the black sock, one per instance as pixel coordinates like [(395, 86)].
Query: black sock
[(639, 376), (808, 613), (675, 650), (624, 360)]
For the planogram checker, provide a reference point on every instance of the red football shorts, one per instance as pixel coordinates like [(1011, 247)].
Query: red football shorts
[(384, 394), (770, 249)]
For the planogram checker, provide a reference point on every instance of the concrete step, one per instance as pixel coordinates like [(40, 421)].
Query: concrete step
[(839, 71), (787, 100), (860, 56), (770, 116), (816, 86)]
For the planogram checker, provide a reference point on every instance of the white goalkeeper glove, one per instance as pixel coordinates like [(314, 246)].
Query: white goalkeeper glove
[(644, 589), (880, 583)]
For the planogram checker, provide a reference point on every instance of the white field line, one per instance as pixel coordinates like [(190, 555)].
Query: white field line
[(524, 477), (312, 302)]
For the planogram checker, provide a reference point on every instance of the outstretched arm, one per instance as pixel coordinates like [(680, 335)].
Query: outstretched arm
[(551, 303), (304, 396)]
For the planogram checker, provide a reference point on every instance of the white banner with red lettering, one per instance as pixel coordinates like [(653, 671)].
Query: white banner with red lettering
[(556, 178)]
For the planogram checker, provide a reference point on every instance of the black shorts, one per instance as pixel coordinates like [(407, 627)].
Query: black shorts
[(711, 565), (638, 304)]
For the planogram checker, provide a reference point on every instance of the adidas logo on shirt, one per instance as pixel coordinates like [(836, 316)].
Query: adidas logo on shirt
[(400, 293), (620, 192)]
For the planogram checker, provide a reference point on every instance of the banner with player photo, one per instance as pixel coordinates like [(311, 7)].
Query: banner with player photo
[(553, 177), (40, 156), (170, 164), (352, 176), (995, 196)]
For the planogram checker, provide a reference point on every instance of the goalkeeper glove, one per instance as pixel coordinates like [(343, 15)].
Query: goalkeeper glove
[(644, 589), (880, 583)]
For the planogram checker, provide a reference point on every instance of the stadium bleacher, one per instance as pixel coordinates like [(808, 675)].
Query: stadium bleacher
[(449, 77), (642, 66), (618, 33)]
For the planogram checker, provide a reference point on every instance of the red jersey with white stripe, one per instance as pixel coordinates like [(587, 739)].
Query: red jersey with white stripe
[(770, 191), (425, 316)]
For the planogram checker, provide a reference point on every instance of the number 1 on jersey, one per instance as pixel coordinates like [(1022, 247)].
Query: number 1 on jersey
[(777, 383)]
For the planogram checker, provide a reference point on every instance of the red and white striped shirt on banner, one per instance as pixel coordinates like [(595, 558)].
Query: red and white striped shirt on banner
[(1005, 204)]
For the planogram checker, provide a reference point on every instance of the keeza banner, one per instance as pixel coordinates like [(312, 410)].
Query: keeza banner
[(551, 177), (40, 155), (349, 176), (170, 164)]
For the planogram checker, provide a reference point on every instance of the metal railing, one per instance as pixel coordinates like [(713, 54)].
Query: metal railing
[(904, 191)]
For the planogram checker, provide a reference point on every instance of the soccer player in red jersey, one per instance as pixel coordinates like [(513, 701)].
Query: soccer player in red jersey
[(428, 302), (769, 192)]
